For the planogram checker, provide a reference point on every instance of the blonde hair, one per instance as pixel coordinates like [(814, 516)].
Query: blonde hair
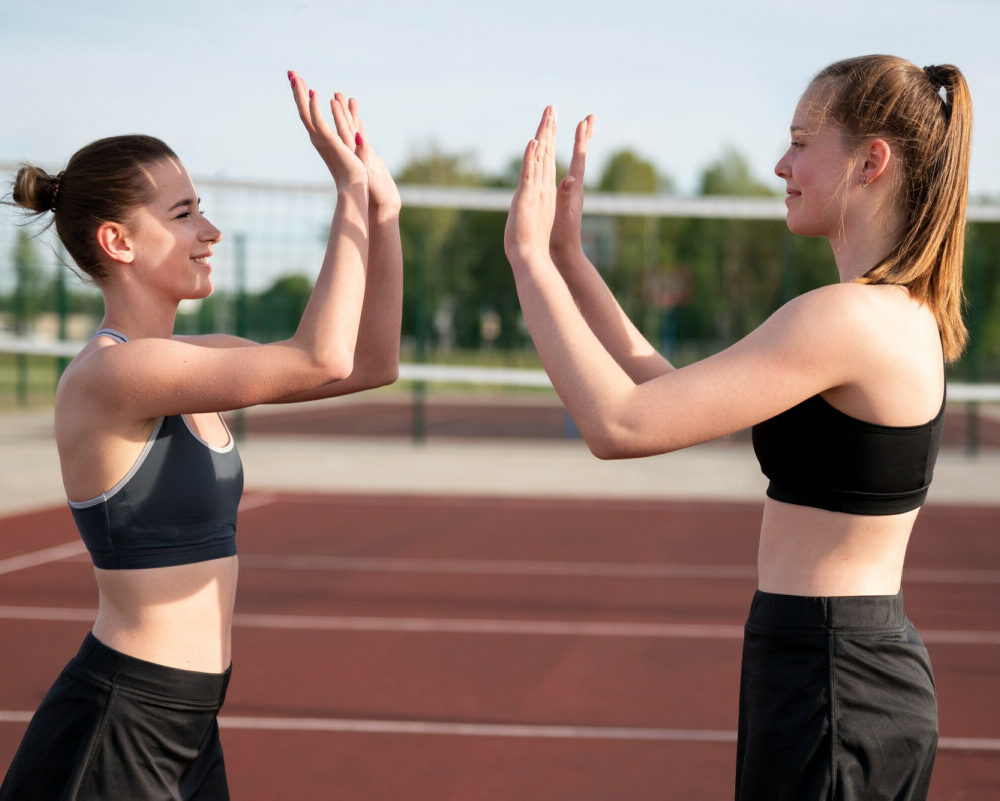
[(926, 116)]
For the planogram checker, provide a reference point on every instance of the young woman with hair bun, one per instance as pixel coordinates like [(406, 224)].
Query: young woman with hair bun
[(844, 390), (151, 471)]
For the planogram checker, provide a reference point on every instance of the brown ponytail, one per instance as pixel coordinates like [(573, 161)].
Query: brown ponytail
[(103, 182), (926, 115)]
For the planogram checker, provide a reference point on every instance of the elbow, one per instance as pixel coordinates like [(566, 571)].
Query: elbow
[(607, 449), (383, 376), (391, 375), (604, 441), (336, 365), (609, 441)]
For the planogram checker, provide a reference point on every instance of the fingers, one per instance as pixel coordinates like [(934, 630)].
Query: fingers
[(584, 130), (300, 93), (360, 137), (539, 163), (344, 120), (307, 102), (549, 164), (528, 162)]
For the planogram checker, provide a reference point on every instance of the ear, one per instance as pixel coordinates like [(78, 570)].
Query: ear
[(876, 160), (114, 240)]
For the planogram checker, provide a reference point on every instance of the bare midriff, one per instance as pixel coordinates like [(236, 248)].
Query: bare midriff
[(176, 616), (815, 552)]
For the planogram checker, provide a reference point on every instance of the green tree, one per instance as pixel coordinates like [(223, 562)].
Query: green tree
[(636, 253), (744, 269), (275, 313), (435, 285), (730, 175)]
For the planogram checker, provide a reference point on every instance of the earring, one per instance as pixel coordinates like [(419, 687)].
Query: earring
[(864, 181)]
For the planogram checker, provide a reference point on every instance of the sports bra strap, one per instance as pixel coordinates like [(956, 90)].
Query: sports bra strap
[(111, 332)]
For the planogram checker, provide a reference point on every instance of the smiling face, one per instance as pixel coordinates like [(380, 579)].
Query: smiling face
[(816, 170), (172, 239)]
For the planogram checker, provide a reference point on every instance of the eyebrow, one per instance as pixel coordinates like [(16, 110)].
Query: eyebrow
[(185, 202)]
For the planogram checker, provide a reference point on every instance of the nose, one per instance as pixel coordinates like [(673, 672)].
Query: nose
[(781, 169), (209, 232)]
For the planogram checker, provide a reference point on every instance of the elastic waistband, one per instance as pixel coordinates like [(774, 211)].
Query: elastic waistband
[(138, 674), (838, 612)]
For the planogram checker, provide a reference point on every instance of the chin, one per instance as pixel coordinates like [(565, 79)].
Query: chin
[(201, 292), (803, 228)]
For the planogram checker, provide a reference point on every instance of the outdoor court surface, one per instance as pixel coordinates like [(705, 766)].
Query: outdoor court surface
[(419, 648)]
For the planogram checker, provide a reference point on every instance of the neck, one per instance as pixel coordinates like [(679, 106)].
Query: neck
[(866, 238), (137, 319)]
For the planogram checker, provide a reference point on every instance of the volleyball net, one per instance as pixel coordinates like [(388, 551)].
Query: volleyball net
[(694, 273)]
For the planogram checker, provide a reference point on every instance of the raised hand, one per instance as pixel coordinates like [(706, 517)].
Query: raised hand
[(336, 148), (565, 239), (383, 195), (532, 209)]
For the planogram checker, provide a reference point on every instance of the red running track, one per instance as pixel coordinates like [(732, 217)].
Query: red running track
[(438, 648)]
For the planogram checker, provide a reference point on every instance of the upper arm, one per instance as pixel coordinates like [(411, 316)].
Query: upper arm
[(814, 343), (214, 340), (148, 378)]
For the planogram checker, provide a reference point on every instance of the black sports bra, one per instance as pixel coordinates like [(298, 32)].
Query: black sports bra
[(177, 505), (816, 455)]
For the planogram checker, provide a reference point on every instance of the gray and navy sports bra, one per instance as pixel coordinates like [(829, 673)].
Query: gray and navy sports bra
[(177, 505)]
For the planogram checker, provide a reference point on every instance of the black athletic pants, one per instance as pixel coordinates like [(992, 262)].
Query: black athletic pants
[(837, 702)]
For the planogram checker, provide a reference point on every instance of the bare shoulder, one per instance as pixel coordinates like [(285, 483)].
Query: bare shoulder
[(892, 342), (214, 340), (871, 317)]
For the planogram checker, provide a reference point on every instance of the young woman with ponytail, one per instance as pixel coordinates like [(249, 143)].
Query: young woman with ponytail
[(844, 389)]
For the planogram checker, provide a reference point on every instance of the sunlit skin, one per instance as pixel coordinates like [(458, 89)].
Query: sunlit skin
[(854, 344), (111, 396)]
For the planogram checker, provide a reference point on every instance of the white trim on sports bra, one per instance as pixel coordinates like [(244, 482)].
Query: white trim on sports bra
[(104, 496)]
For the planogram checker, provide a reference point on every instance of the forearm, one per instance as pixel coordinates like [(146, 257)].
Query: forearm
[(589, 381), (328, 330), (377, 350), (602, 312)]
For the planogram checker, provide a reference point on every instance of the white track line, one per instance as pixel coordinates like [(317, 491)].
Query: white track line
[(512, 567), (499, 567), (535, 731), (495, 567), (481, 626), (44, 556), (419, 625)]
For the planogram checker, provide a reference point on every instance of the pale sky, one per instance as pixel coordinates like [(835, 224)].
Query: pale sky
[(675, 82)]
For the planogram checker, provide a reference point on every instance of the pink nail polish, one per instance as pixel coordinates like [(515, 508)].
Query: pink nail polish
[(311, 93), (290, 76), (357, 139), (292, 81)]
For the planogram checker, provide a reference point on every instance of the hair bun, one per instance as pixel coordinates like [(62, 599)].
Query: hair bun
[(35, 189)]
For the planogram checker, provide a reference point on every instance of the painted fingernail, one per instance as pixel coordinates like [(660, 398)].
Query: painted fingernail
[(311, 93), (357, 139)]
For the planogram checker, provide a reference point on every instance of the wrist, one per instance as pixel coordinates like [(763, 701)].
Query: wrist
[(567, 255), (383, 213), (527, 260), (355, 189)]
